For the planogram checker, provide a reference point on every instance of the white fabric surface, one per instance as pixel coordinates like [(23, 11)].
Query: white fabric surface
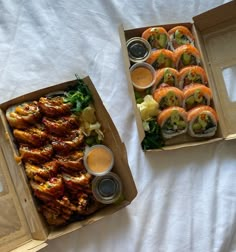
[(186, 198)]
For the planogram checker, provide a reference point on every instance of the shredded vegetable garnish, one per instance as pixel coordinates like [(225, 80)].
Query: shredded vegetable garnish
[(79, 96), (153, 138)]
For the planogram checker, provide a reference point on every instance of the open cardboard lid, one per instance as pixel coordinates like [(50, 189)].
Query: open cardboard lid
[(15, 231), (216, 31)]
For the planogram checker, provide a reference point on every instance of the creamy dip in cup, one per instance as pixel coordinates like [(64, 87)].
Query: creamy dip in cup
[(98, 160)]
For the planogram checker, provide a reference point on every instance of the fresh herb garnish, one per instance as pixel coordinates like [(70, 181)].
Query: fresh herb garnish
[(153, 138), (138, 97), (79, 96)]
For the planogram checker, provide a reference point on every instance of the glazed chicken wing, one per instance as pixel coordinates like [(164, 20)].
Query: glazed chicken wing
[(81, 181), (86, 204), (43, 172), (69, 142), (60, 126), (32, 136), (23, 115), (36, 155), (71, 163), (54, 106), (50, 190)]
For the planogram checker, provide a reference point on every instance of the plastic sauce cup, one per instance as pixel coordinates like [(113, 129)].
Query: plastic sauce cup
[(139, 49), (107, 189), (143, 76), (98, 160)]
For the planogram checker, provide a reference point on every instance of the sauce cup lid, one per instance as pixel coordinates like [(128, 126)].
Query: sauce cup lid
[(107, 189), (139, 49), (98, 159)]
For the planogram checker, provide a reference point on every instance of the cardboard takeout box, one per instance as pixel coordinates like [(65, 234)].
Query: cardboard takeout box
[(215, 34), (22, 228)]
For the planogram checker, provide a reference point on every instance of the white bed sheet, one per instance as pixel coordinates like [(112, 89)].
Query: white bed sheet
[(186, 198)]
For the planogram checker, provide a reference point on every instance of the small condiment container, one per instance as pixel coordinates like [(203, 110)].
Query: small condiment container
[(139, 49), (143, 76), (98, 160), (107, 189)]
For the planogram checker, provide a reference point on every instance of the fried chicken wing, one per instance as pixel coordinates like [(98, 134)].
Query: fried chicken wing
[(43, 172), (81, 181), (54, 106), (58, 212), (36, 155), (50, 190), (67, 143), (86, 204), (23, 115), (54, 215), (61, 126), (71, 163), (32, 136)]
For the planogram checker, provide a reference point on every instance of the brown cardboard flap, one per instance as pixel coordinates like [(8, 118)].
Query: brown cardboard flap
[(218, 47), (13, 225), (217, 17), (31, 246)]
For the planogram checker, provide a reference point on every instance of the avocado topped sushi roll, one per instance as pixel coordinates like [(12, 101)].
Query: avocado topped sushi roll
[(161, 58), (173, 122), (187, 55), (157, 37), (202, 121), (168, 96), (192, 74), (196, 94), (180, 35), (166, 75)]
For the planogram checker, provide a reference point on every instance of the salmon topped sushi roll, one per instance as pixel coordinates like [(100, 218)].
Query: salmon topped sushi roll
[(187, 55), (192, 74), (202, 121), (168, 96), (161, 58), (196, 94), (157, 37), (180, 35), (173, 122), (166, 75)]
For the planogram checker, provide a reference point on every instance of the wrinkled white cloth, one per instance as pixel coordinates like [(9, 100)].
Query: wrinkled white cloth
[(186, 198)]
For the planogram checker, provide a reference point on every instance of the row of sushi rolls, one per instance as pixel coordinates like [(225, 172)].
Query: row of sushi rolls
[(180, 99)]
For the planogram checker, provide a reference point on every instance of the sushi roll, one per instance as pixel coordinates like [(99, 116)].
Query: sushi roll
[(161, 58), (180, 35), (192, 74), (166, 75), (202, 121), (187, 55), (196, 94), (168, 96), (173, 122), (157, 37)]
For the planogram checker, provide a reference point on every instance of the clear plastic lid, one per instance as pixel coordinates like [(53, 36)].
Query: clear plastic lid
[(107, 189)]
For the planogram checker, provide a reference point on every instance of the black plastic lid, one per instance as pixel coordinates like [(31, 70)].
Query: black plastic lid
[(138, 49)]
